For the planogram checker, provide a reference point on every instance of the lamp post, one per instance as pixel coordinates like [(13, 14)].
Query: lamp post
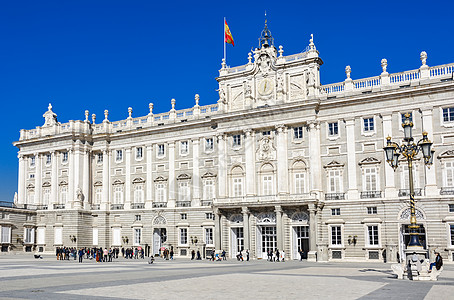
[(409, 150)]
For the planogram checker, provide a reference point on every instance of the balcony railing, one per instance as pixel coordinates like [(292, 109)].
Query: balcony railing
[(159, 204), (335, 196), (206, 202), (447, 191), (267, 198), (59, 206), (43, 207), (183, 203), (96, 207), (137, 205), (406, 192), (370, 194), (117, 206)]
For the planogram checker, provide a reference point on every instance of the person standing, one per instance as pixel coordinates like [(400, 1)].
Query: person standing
[(81, 254), (247, 255), (192, 254), (283, 255), (277, 255)]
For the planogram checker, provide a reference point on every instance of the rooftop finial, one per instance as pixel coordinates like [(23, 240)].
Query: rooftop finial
[(266, 39)]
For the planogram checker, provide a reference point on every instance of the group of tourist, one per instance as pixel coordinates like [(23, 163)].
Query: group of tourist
[(98, 254), (276, 256)]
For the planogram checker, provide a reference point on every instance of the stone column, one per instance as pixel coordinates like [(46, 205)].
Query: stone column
[(105, 179), (21, 181), (77, 181), (314, 159), (149, 191), (282, 160), (70, 198), (172, 181), (222, 167), (311, 256), (217, 229), (249, 150), (195, 173), (86, 179), (352, 192), (431, 174), (390, 186), (279, 226), (38, 179), (128, 178), (54, 180), (246, 230)]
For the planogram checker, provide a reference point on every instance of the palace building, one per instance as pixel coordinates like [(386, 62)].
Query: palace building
[(279, 161)]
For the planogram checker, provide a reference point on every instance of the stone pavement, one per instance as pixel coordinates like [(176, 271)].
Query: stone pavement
[(23, 277)]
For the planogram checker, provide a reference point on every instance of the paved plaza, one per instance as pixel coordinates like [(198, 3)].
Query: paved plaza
[(23, 277)]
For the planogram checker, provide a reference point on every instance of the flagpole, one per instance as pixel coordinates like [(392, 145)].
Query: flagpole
[(224, 40)]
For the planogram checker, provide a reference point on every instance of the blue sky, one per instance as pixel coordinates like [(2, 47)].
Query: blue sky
[(100, 55)]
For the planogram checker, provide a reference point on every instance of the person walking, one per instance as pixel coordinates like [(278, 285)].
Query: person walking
[(283, 255), (81, 254), (192, 254), (277, 255), (247, 255)]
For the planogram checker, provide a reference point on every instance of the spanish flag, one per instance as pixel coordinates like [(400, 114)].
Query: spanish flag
[(228, 35)]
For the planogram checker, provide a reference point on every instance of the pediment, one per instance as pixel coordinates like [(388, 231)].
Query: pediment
[(160, 178), (138, 180), (447, 154), (208, 174), (46, 184), (98, 183), (183, 177), (118, 181), (63, 182), (369, 161), (333, 164)]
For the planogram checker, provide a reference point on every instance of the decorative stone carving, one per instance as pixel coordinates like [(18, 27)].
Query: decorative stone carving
[(266, 217), (266, 150), (384, 64), (300, 216), (221, 95), (264, 63), (423, 58), (348, 71), (405, 215), (236, 218), (50, 118), (369, 161), (159, 220), (446, 154), (80, 195)]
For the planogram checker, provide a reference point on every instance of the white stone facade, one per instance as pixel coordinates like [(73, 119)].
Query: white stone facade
[(280, 161)]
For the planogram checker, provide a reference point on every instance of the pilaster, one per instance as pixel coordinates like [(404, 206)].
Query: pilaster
[(245, 212), (311, 256), (172, 181), (390, 186), (149, 190), (314, 159), (54, 180), (86, 179), (282, 160), (38, 179), (222, 166), (105, 179), (352, 192), (217, 229), (279, 233), (70, 198), (250, 162), (431, 174), (21, 181), (128, 178), (195, 173)]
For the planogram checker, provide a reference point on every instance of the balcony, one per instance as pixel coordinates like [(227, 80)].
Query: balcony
[(335, 196), (370, 194), (59, 206), (96, 207), (159, 204), (266, 199), (447, 191), (206, 202), (183, 204), (406, 192), (117, 206), (137, 205)]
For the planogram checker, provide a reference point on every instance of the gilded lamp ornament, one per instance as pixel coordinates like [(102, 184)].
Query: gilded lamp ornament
[(409, 149)]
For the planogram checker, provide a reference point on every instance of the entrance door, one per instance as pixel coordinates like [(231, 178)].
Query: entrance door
[(237, 241), (268, 239), (405, 238), (300, 241), (159, 238)]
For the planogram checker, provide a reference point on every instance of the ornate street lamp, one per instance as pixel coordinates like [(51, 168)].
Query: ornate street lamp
[(409, 150)]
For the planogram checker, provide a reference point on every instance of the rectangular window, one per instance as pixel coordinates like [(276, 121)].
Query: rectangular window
[(451, 208), (139, 153), (405, 177), (183, 216), (183, 191), (160, 192), (118, 195), (137, 236), (237, 140), (138, 217), (99, 158), (449, 174), (372, 210), (300, 183), (209, 145), (267, 185), (161, 150), (32, 176), (370, 179), (119, 156), (29, 236), (334, 181), (335, 211), (238, 187), (209, 236), (32, 161), (208, 189), (58, 235), (184, 148), (336, 235), (46, 196), (451, 229), (6, 235), (64, 157), (138, 193), (368, 124), (298, 132), (63, 194), (448, 114), (373, 235), (266, 133), (98, 195), (333, 129), (209, 216), (183, 236), (48, 159), (116, 236)]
